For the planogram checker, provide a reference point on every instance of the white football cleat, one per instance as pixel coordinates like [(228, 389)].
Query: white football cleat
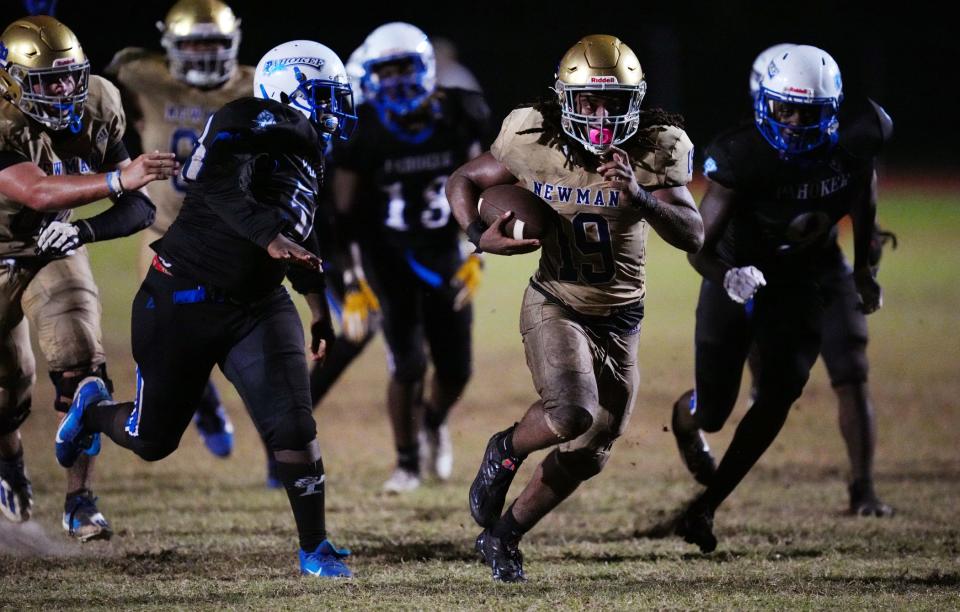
[(436, 451), (401, 481)]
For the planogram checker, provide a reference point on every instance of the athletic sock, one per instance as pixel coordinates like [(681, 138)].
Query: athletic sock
[(408, 458), (507, 528), (109, 419), (305, 485)]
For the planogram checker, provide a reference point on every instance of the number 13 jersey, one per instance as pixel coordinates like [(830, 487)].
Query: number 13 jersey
[(594, 259), (402, 175)]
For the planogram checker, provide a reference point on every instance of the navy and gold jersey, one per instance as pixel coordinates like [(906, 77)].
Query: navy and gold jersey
[(401, 190), (255, 173), (786, 209)]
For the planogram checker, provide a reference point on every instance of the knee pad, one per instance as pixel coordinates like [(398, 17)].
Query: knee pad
[(560, 468), (409, 367), (568, 421), (65, 383), (294, 430)]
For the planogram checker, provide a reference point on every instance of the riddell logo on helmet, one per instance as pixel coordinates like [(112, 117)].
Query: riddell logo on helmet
[(63, 61), (603, 80), (799, 90)]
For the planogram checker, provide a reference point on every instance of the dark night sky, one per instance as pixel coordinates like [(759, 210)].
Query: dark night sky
[(697, 56)]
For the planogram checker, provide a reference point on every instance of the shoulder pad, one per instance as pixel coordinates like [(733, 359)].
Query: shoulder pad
[(266, 126), (473, 105), (104, 98), (133, 60), (865, 129), (670, 161), (886, 122)]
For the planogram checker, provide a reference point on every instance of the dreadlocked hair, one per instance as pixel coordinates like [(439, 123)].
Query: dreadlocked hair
[(551, 132)]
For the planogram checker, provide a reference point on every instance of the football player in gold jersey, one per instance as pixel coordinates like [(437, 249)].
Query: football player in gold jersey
[(168, 99), (611, 171), (60, 148)]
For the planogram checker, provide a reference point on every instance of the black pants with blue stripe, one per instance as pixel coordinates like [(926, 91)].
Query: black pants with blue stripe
[(413, 286), (182, 329)]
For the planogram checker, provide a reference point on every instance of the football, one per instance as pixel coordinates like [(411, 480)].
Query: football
[(532, 217)]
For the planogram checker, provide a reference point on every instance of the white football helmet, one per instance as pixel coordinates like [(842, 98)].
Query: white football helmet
[(760, 64), (398, 42), (355, 73), (311, 78), (798, 100)]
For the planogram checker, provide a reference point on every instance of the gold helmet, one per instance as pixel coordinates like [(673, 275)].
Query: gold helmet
[(202, 38), (44, 72), (604, 66)]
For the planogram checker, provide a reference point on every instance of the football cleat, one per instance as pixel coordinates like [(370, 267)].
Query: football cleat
[(216, 430), (694, 450), (326, 561), (71, 438), (16, 494), (82, 520), (864, 500), (436, 451), (488, 493), (401, 481), (273, 474), (502, 557), (695, 526)]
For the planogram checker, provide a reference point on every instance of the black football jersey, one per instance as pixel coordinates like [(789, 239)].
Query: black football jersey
[(254, 173), (401, 190), (786, 210)]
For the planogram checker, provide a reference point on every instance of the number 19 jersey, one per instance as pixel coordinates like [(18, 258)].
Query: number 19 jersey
[(594, 260)]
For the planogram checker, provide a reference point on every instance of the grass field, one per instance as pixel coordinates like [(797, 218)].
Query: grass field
[(197, 532)]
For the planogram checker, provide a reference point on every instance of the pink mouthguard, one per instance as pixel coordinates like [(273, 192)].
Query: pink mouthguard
[(603, 136)]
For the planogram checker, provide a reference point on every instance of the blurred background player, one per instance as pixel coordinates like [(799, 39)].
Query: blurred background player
[(213, 294), (843, 346), (354, 302), (60, 147), (777, 190), (388, 185), (597, 160), (168, 100)]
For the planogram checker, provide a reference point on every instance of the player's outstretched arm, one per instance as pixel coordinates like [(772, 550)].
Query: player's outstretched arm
[(716, 208), (463, 191), (29, 185), (864, 216)]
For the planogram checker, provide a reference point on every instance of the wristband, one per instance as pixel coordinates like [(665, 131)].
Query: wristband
[(113, 183), (474, 231)]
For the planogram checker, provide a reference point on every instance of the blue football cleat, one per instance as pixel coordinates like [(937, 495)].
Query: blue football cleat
[(273, 476), (71, 438), (216, 430), (16, 494), (82, 520), (325, 561)]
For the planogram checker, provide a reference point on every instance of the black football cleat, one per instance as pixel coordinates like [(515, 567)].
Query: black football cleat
[(864, 500), (488, 493), (502, 557), (694, 450), (695, 526)]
